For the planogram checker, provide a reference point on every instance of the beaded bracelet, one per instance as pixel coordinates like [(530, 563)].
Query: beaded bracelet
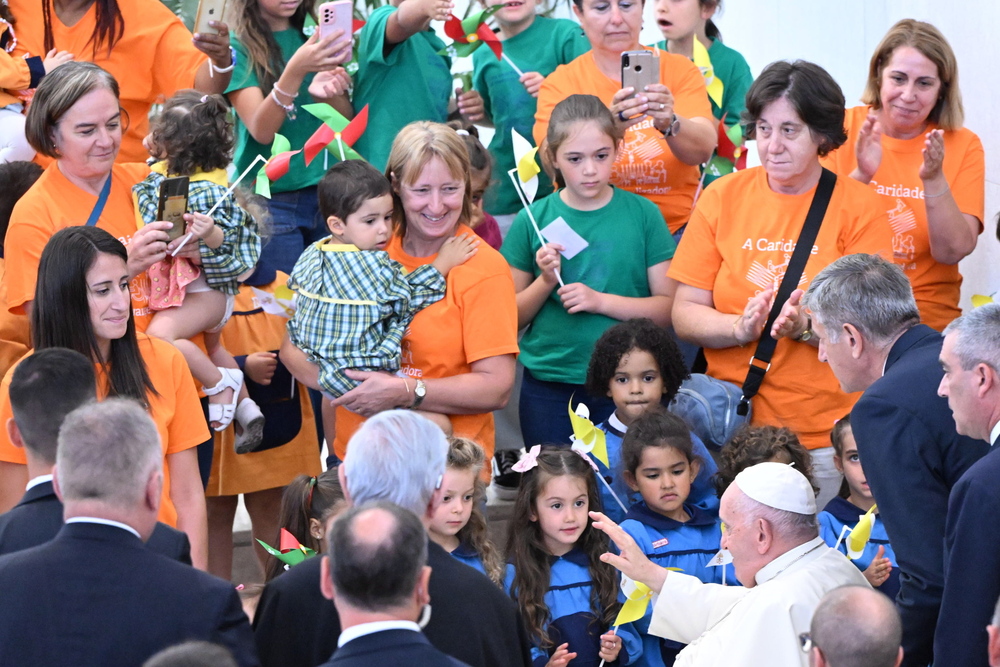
[(289, 108), (288, 95)]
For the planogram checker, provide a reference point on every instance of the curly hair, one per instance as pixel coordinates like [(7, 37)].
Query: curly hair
[(466, 456), (657, 427), (637, 334), (751, 445), (532, 563), (193, 132)]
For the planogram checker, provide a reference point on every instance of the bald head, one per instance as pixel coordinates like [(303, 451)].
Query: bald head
[(377, 552), (855, 626)]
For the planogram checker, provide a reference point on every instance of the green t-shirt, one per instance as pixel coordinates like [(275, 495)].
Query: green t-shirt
[(296, 131), (624, 238), (543, 46), (411, 82)]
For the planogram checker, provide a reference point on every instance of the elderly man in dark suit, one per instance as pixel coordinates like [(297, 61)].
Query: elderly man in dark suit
[(869, 331), (377, 576), (95, 595), (46, 387), (397, 456)]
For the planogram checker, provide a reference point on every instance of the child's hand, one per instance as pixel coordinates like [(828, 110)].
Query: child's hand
[(54, 59), (456, 250), (330, 83), (578, 298), (532, 82), (561, 657), (879, 570), (199, 224), (435, 10), (318, 55), (470, 105), (611, 644), (260, 367), (549, 261)]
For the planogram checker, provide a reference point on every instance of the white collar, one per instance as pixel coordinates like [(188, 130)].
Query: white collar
[(785, 560), (616, 423), (103, 522), (363, 629), (41, 479), (995, 434)]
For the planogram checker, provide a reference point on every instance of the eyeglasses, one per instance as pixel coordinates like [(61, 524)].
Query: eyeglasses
[(805, 642)]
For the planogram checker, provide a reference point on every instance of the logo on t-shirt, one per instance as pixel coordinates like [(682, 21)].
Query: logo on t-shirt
[(661, 543), (903, 220), (771, 275), (641, 165)]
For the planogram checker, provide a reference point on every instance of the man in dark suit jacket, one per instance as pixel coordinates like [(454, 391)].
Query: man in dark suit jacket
[(867, 322), (971, 361), (472, 619), (376, 573), (95, 595), (45, 388)]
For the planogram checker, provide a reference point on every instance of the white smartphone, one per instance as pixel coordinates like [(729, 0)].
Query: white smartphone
[(208, 10), (337, 15)]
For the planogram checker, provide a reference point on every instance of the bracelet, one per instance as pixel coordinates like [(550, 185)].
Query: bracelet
[(288, 95), (289, 108), (407, 385), (735, 337), (212, 69), (943, 192)]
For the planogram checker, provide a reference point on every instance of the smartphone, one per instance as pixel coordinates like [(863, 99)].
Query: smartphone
[(173, 204), (336, 15), (208, 10), (640, 69)]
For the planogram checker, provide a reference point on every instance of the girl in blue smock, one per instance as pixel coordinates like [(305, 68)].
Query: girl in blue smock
[(458, 525), (660, 464), (568, 598)]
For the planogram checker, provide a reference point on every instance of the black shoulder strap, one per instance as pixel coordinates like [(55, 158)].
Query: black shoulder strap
[(761, 360)]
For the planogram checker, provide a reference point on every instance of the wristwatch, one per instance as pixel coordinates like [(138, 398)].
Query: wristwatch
[(673, 128), (418, 394), (807, 334)]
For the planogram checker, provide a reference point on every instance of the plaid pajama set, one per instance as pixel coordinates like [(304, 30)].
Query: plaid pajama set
[(240, 247), (353, 307)]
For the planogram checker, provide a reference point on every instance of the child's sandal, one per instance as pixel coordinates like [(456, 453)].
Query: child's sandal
[(223, 413), (251, 419)]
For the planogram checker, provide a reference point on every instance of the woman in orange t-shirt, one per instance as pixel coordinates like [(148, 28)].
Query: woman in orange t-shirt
[(738, 244), (83, 304), (908, 143), (457, 354), (669, 128)]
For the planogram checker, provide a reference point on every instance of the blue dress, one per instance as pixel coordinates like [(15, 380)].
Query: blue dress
[(571, 619), (839, 513), (702, 492), (669, 543)]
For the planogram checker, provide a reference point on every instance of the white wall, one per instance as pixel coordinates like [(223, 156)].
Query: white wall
[(841, 37)]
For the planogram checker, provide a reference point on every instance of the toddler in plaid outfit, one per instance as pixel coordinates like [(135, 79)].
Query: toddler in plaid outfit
[(353, 303), (193, 137)]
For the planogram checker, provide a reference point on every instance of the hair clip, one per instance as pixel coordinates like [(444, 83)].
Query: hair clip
[(528, 461), (240, 587), (462, 133), (204, 98), (309, 498), (582, 450)]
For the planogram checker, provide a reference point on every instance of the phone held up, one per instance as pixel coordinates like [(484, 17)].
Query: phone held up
[(173, 204), (208, 10), (639, 69), (337, 15)]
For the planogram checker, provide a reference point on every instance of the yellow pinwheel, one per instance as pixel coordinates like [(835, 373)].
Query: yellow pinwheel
[(859, 535)]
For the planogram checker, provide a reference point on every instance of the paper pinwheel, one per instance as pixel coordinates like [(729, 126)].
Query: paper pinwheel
[(731, 154), (527, 167), (470, 33), (590, 438), (276, 167), (336, 134), (981, 300), (282, 302), (637, 598), (704, 63), (859, 535), (291, 552)]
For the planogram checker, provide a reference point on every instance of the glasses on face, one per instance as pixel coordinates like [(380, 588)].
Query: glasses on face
[(805, 642)]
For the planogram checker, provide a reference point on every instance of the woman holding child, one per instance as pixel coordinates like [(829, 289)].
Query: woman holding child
[(458, 353)]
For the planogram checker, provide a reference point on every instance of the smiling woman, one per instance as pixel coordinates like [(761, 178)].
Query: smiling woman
[(908, 143)]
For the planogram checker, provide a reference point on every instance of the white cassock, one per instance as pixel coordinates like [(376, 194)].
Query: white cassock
[(732, 626)]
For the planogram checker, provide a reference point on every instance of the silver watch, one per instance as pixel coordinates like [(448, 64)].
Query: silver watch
[(673, 128)]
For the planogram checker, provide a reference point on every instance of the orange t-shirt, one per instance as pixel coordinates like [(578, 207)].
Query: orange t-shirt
[(252, 330), (738, 243), (476, 319), (154, 57), (176, 410), (53, 203), (645, 164), (936, 286), (15, 331)]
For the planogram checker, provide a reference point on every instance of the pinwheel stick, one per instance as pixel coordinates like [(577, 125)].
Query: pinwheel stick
[(232, 188), (843, 531), (614, 631), (511, 63), (534, 223), (340, 145), (612, 492)]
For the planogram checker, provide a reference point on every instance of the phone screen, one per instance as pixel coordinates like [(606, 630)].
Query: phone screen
[(174, 208)]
